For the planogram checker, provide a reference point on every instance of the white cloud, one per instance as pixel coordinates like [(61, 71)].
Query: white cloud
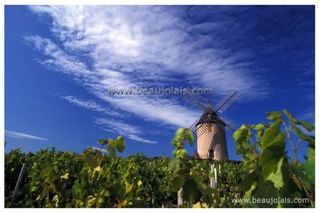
[(165, 111), (124, 129), (133, 38), (91, 105), (84, 103), (140, 139), (24, 136), (108, 47), (117, 126), (100, 81)]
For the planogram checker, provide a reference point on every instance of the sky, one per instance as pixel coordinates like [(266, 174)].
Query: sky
[(61, 61)]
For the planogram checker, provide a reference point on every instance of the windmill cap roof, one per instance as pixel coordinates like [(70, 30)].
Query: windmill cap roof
[(209, 116)]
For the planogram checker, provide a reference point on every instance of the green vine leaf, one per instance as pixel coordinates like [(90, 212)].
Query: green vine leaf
[(103, 141), (274, 116), (279, 177), (271, 134), (120, 144), (271, 157), (289, 116), (310, 164)]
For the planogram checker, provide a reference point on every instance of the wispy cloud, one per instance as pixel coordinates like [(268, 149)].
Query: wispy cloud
[(110, 125), (24, 136), (91, 105), (126, 39), (108, 47), (117, 126), (124, 129), (140, 139), (99, 81)]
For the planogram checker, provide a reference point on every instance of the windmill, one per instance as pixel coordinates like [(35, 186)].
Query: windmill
[(210, 127)]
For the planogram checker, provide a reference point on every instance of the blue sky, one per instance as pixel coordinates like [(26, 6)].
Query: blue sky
[(61, 61)]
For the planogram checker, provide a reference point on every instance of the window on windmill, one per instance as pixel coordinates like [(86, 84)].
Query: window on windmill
[(210, 128)]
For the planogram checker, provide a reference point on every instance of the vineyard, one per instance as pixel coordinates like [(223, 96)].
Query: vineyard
[(93, 179)]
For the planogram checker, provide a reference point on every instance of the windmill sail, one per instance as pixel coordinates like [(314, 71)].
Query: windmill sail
[(227, 102)]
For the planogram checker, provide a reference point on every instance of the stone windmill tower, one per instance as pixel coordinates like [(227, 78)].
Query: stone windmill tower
[(210, 128)]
